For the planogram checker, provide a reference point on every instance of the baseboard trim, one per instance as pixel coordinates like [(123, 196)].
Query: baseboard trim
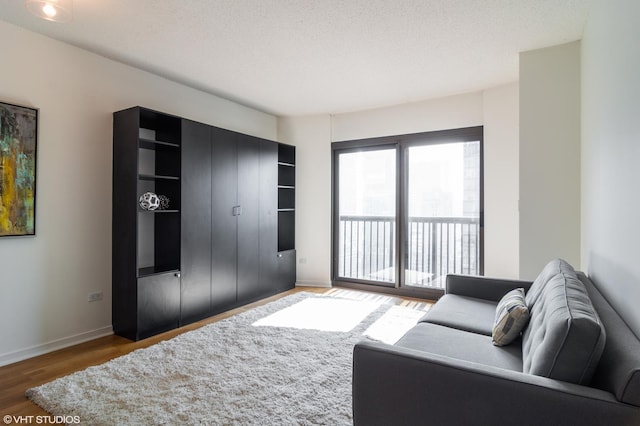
[(65, 342)]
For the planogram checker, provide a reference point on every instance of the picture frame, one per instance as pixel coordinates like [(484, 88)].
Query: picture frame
[(18, 158)]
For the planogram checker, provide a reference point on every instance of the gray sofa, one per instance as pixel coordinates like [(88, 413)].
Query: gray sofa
[(576, 362)]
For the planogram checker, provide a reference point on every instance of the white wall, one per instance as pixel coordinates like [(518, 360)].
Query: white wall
[(45, 279), (495, 108), (501, 153), (611, 153), (438, 114), (311, 135), (549, 157)]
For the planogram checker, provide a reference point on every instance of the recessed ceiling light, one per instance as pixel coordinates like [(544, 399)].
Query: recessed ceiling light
[(51, 10)]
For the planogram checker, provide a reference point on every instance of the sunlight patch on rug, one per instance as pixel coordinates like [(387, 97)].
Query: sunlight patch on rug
[(323, 314), (393, 324)]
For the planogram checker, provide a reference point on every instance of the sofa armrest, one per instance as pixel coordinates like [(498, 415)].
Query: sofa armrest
[(401, 386), (482, 287)]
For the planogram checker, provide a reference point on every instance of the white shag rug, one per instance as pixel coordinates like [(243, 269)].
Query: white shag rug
[(284, 363)]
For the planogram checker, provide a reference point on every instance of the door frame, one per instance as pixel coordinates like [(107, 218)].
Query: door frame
[(348, 147), (400, 143)]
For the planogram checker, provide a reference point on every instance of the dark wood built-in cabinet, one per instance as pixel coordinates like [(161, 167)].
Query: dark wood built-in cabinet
[(227, 236), (195, 249)]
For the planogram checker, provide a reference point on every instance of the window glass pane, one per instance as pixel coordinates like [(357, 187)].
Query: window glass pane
[(367, 215), (443, 206)]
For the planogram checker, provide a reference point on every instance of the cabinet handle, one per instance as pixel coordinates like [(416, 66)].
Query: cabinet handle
[(177, 275), (279, 254)]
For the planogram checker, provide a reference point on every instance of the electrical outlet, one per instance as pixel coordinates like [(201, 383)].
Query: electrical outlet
[(95, 296)]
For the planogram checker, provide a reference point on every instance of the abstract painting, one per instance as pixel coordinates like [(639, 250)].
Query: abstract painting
[(18, 139)]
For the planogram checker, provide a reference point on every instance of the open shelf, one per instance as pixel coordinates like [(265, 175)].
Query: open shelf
[(159, 128), (159, 163), (286, 176), (148, 271), (154, 177), (286, 196), (286, 154), (153, 144), (159, 169), (159, 211)]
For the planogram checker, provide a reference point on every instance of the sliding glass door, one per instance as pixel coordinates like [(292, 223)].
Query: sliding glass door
[(408, 209), (443, 212), (366, 236)]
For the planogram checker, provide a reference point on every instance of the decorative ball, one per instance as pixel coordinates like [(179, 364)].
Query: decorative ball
[(164, 202), (149, 201)]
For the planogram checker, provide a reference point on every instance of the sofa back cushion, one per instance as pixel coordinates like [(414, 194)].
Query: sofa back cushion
[(551, 269), (565, 338)]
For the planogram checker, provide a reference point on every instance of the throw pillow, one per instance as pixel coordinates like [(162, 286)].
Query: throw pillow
[(512, 315)]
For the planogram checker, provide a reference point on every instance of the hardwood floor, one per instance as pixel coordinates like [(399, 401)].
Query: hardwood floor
[(16, 378)]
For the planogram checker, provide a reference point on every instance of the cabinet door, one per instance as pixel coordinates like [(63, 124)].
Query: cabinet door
[(249, 219), (224, 249), (286, 274), (268, 217), (196, 222), (158, 304)]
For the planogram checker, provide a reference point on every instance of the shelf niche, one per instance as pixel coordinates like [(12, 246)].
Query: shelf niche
[(286, 197), (159, 144)]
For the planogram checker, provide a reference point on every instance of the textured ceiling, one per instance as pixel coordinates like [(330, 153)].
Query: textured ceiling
[(297, 57)]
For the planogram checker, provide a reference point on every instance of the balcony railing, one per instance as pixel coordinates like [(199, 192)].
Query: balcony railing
[(435, 246)]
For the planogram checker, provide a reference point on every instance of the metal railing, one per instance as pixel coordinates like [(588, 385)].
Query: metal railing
[(367, 248), (435, 246)]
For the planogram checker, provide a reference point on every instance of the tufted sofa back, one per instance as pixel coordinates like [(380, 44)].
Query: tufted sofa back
[(565, 338), (550, 270)]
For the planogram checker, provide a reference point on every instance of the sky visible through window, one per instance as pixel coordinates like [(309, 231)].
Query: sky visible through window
[(443, 181), (368, 183)]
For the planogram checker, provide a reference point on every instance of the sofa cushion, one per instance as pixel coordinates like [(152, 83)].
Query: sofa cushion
[(464, 313), (512, 315), (564, 338), (551, 269), (462, 345)]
